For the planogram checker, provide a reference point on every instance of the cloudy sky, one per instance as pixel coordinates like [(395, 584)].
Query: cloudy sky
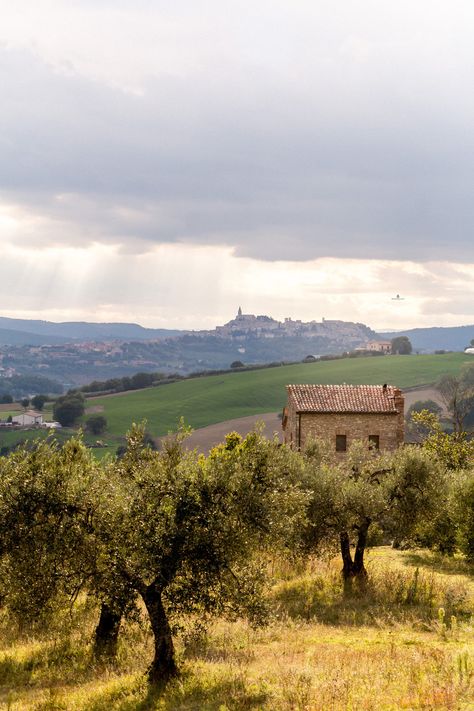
[(165, 162)]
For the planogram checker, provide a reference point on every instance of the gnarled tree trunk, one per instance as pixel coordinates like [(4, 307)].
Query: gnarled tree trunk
[(163, 666), (107, 631), (347, 562), (354, 568)]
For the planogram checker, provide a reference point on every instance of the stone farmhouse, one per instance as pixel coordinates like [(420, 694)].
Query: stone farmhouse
[(341, 414), (380, 346)]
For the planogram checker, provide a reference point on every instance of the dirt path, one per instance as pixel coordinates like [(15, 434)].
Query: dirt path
[(429, 393), (207, 437), (94, 408)]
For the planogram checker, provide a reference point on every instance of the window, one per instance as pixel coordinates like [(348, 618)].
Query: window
[(341, 443), (374, 442)]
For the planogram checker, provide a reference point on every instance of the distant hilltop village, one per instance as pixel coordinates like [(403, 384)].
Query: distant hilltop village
[(244, 325)]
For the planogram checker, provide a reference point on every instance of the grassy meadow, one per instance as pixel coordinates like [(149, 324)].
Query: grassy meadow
[(405, 643), (207, 400), (210, 399)]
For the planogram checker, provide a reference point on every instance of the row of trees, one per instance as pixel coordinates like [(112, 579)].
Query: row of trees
[(37, 401), (187, 534), (137, 381)]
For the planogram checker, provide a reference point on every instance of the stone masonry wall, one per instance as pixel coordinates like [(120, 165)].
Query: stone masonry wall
[(290, 430), (389, 428)]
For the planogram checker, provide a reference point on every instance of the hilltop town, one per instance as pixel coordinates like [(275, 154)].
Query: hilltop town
[(247, 337)]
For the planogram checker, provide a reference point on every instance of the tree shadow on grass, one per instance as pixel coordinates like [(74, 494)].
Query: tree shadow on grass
[(206, 692), (390, 595), (44, 666)]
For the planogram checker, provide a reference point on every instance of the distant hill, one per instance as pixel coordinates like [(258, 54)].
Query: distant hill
[(10, 337), (82, 330), (449, 338)]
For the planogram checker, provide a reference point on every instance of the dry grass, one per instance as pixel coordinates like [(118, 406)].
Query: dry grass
[(389, 649)]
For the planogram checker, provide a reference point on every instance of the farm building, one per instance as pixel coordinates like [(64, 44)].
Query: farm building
[(28, 418), (341, 414), (379, 346)]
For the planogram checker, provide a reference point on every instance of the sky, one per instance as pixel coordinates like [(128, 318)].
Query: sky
[(167, 162)]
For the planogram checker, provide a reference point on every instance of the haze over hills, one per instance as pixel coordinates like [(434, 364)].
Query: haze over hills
[(83, 330), (103, 351), (452, 338), (40, 331), (75, 353), (10, 336)]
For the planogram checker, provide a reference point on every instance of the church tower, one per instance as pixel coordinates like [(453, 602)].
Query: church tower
[(239, 312)]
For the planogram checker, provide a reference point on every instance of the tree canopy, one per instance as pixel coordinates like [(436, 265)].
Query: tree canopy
[(401, 345), (96, 424), (68, 408), (457, 393)]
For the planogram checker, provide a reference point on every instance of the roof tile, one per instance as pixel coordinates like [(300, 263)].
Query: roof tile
[(344, 398)]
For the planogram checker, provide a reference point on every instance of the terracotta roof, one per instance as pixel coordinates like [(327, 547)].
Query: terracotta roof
[(343, 398)]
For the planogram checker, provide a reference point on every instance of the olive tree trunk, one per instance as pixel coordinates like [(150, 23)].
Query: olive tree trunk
[(107, 631), (354, 568), (163, 666)]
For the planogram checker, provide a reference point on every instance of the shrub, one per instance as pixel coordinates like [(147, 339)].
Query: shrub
[(96, 424)]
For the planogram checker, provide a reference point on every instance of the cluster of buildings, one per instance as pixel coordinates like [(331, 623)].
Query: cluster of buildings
[(262, 326)]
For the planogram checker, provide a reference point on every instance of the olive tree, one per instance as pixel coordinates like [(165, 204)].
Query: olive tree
[(47, 547), (464, 512), (394, 491), (183, 532), (453, 450), (457, 393)]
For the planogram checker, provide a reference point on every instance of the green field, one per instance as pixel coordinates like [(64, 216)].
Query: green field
[(207, 400)]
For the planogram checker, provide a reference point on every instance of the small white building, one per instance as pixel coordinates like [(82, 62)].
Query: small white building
[(30, 418)]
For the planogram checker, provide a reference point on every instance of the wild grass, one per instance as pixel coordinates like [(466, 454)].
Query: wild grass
[(405, 643)]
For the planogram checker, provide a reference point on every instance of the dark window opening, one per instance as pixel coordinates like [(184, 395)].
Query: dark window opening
[(341, 443), (374, 442)]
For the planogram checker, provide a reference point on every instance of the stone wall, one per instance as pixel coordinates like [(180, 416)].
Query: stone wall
[(388, 427), (290, 429)]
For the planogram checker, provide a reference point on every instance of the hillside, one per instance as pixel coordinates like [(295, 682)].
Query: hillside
[(51, 332), (104, 351), (10, 336), (207, 400), (454, 338)]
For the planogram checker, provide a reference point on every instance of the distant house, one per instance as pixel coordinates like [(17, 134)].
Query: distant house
[(379, 346), (30, 418), (341, 414)]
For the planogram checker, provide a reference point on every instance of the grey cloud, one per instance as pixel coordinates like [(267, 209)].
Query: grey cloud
[(343, 165)]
